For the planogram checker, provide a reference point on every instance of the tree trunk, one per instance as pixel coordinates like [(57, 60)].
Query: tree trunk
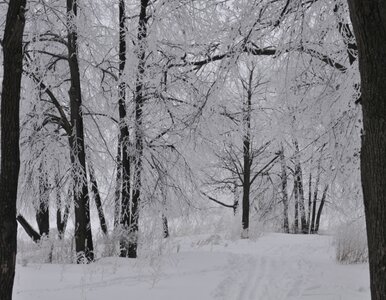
[(83, 237), (61, 220), (322, 201), (309, 202), (42, 211), (118, 187), (165, 226), (296, 196), (247, 157), (97, 198), (299, 179), (369, 22), (284, 190), (32, 233), (312, 228), (164, 194), (66, 214), (58, 202), (123, 171), (235, 198), (10, 153), (138, 128)]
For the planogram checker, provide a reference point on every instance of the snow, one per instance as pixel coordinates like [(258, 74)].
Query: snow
[(274, 266)]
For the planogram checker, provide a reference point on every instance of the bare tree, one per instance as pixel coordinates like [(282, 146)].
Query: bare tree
[(83, 237), (369, 20), (10, 154)]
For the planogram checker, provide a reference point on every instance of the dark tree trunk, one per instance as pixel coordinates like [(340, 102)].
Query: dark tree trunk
[(299, 179), (164, 194), (123, 171), (66, 214), (247, 106), (118, 187), (83, 237), (42, 219), (42, 211), (32, 233), (138, 102), (10, 153), (284, 190), (165, 226), (296, 196), (369, 22), (320, 210), (309, 202), (97, 199), (61, 220), (235, 198), (58, 201), (312, 230)]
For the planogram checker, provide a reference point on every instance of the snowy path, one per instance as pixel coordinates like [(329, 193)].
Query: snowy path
[(292, 267), (274, 267)]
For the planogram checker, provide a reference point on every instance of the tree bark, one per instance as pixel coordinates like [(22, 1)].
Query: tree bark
[(369, 22), (235, 198), (296, 196), (247, 105), (165, 226), (312, 227), (123, 170), (42, 211), (10, 152), (284, 190), (61, 220), (138, 128), (32, 233), (164, 194), (83, 236), (97, 199), (118, 187), (299, 179), (321, 205), (309, 202)]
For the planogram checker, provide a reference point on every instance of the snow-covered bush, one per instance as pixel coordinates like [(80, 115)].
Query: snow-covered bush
[(47, 250), (351, 242)]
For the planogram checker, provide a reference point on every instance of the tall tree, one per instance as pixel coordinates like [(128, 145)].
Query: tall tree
[(247, 107), (369, 22), (83, 237), (123, 191), (139, 100), (10, 153)]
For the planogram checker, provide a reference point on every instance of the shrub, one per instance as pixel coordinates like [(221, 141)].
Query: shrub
[(351, 242)]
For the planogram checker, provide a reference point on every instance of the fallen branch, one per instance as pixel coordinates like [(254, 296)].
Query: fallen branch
[(32, 233), (219, 202)]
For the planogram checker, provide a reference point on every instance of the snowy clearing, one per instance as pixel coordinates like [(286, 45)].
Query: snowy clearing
[(275, 266)]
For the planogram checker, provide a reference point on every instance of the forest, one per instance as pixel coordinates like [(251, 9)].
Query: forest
[(139, 133)]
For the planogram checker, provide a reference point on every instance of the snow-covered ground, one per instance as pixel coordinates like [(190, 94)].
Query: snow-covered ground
[(272, 267)]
